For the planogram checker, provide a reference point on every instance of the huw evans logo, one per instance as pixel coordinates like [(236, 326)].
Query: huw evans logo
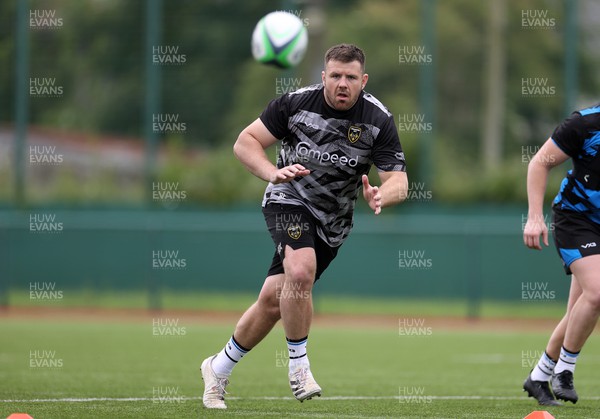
[(291, 222), (536, 87), (413, 327), (44, 291), (44, 154), (298, 14), (414, 122), (167, 55), (282, 359), (167, 327), (413, 395), (167, 191), (44, 87), (44, 19), (285, 85), (44, 223), (413, 259), (289, 153), (43, 358), (167, 123), (529, 359), (417, 192), (537, 291), (537, 19), (167, 394), (167, 259), (529, 152), (537, 220), (290, 290), (414, 55)]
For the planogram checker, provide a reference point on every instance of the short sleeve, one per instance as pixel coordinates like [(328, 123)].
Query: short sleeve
[(276, 115), (570, 134), (387, 151)]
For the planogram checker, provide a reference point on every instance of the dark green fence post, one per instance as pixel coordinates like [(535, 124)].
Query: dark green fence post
[(474, 272), (151, 107), (427, 92), (570, 51), (21, 99)]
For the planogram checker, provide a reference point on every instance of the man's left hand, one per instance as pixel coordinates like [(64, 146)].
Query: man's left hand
[(371, 195)]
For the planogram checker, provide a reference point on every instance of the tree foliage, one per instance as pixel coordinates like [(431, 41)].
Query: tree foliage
[(98, 55)]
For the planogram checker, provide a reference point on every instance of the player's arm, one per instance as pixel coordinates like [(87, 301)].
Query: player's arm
[(393, 190), (549, 156), (250, 150)]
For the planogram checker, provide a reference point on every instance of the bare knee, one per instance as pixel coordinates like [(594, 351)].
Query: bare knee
[(593, 299), (299, 276), (269, 305), (300, 268)]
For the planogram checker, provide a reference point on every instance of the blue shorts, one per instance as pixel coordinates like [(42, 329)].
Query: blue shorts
[(575, 236)]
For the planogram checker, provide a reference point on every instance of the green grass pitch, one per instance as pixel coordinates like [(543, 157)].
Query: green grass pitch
[(77, 368)]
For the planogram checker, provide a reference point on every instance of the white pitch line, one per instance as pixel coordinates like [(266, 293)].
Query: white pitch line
[(175, 399)]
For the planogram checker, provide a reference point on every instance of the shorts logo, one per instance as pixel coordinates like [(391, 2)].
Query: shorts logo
[(294, 231), (354, 134), (588, 245)]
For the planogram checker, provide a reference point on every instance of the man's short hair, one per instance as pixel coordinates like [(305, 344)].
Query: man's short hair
[(346, 53)]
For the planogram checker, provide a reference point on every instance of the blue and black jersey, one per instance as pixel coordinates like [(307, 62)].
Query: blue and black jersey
[(579, 137)]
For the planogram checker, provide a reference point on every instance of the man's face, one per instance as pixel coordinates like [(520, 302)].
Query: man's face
[(343, 83)]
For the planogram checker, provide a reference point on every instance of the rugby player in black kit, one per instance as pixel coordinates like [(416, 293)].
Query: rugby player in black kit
[(330, 135)]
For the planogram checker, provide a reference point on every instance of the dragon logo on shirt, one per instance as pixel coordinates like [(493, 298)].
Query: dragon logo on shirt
[(294, 231), (354, 134)]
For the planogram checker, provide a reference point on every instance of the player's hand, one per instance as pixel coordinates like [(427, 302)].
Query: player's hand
[(288, 173), (371, 195), (535, 227)]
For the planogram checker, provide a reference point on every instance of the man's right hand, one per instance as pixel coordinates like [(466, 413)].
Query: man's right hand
[(534, 228), (288, 173)]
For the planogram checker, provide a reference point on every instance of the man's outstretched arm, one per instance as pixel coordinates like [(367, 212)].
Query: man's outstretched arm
[(250, 150), (393, 190)]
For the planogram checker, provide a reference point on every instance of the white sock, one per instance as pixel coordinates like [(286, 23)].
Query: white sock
[(228, 358), (297, 353), (566, 361), (543, 369)]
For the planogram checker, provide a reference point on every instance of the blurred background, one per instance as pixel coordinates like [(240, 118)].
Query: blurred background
[(118, 186)]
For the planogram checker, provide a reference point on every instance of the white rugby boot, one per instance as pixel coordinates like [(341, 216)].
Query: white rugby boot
[(303, 384), (214, 386)]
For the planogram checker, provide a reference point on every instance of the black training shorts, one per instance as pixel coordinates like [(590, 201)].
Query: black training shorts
[(295, 226), (575, 236)]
